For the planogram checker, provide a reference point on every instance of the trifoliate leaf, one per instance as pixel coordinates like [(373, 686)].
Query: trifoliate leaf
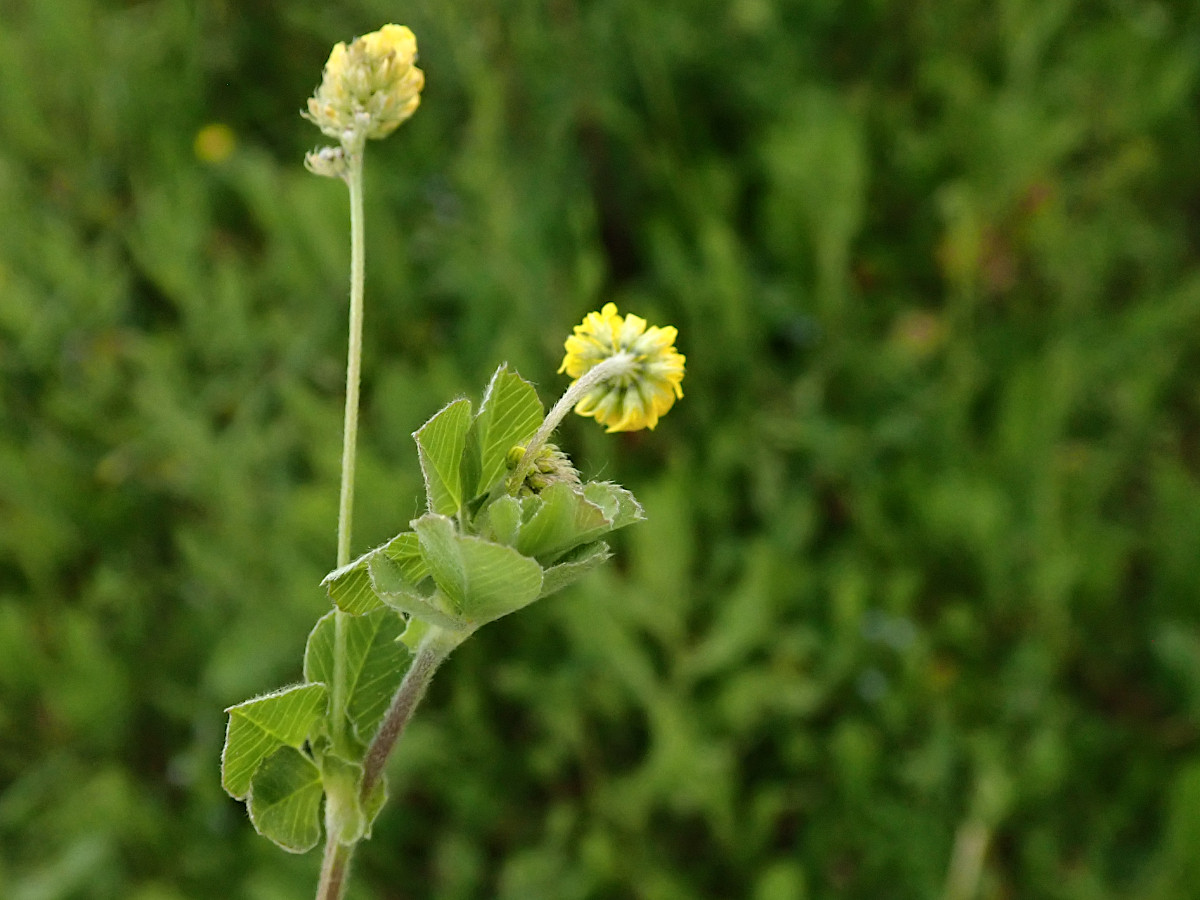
[(285, 799), (484, 580), (509, 415), (258, 727), (440, 444)]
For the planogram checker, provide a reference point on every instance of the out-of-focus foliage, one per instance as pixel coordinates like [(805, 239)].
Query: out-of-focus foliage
[(921, 575)]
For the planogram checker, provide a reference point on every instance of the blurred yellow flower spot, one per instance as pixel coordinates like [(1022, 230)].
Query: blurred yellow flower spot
[(214, 143), (637, 398)]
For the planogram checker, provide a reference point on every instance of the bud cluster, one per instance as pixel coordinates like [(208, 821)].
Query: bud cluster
[(550, 466), (327, 161)]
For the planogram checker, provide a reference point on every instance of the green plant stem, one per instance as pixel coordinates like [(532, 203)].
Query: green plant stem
[(334, 868), (354, 178), (336, 862), (433, 650), (614, 367), (431, 653)]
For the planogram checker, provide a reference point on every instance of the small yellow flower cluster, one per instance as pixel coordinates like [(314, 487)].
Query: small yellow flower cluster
[(649, 386), (368, 87)]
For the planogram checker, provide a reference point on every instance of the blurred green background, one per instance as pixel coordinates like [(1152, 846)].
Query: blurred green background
[(917, 610)]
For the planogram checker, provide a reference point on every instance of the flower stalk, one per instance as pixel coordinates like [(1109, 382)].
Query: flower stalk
[(354, 179), (614, 367), (367, 90), (336, 863)]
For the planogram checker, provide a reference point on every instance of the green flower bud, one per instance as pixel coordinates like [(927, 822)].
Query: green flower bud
[(550, 466)]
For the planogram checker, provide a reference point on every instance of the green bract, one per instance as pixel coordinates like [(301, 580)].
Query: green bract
[(485, 548)]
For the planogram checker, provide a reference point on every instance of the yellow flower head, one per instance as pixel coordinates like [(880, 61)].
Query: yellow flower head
[(369, 87), (646, 389)]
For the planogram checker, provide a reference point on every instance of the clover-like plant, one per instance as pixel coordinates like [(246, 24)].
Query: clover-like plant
[(509, 521)]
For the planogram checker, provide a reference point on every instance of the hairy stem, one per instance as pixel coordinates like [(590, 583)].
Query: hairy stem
[(336, 862), (334, 868), (613, 367), (354, 178), (433, 650)]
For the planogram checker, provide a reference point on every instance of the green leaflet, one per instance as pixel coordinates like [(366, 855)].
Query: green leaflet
[(619, 505), (416, 630), (285, 799), (351, 587), (394, 589), (501, 521), (440, 445), (573, 567), (483, 580), (509, 415), (259, 727), (560, 518), (374, 663)]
